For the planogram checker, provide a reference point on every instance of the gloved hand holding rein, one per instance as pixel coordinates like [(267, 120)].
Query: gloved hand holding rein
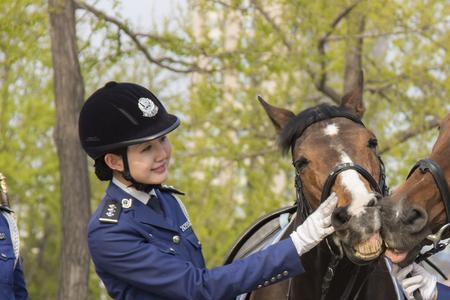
[(414, 278)]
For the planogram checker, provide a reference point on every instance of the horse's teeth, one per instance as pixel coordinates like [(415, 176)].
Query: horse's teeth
[(369, 247)]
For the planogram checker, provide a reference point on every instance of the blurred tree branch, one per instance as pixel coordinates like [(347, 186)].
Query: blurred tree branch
[(168, 63), (277, 28), (404, 136), (321, 81)]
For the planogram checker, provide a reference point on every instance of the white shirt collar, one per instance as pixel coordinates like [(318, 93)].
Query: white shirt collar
[(140, 195)]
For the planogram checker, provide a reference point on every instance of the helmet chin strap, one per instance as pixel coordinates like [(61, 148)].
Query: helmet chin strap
[(127, 175)]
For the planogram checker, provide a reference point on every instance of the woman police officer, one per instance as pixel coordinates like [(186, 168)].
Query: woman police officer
[(140, 237)]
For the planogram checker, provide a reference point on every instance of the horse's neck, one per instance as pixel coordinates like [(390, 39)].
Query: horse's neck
[(350, 281), (315, 263)]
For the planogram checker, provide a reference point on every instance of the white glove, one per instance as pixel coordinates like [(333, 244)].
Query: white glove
[(419, 279), (316, 227)]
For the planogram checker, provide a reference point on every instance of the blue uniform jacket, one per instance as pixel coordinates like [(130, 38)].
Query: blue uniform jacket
[(443, 292), (12, 280), (148, 256)]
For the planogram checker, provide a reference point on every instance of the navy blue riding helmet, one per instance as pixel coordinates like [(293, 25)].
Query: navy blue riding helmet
[(121, 114)]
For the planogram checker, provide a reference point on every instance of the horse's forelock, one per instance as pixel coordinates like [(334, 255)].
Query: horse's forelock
[(297, 125)]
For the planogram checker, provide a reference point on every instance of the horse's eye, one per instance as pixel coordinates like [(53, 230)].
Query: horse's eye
[(373, 143), (301, 163)]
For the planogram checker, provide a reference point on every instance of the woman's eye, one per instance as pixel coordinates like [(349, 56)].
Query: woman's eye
[(147, 148), (373, 143)]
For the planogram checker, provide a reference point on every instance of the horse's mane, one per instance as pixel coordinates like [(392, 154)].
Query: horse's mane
[(297, 125)]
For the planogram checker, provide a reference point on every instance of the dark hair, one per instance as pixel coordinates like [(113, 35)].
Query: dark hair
[(102, 171)]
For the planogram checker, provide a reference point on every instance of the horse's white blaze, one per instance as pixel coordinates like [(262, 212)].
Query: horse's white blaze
[(355, 186), (331, 129)]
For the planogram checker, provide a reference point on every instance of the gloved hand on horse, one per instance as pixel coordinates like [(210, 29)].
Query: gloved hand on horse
[(316, 227), (414, 277)]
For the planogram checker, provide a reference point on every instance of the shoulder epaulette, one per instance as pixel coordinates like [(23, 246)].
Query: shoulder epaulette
[(5, 208), (171, 189), (111, 212)]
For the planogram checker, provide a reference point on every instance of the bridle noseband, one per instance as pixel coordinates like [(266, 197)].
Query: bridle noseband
[(430, 166), (326, 191)]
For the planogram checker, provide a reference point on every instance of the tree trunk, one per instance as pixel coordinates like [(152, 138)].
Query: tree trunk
[(75, 191), (354, 48)]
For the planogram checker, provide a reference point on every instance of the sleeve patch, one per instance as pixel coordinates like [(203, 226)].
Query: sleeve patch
[(111, 212)]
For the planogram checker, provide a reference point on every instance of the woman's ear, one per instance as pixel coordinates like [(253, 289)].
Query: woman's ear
[(114, 161)]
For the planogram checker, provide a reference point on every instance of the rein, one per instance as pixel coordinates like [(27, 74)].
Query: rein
[(304, 208), (429, 165)]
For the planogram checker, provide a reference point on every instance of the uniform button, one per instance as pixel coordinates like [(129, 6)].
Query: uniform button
[(273, 279), (176, 239), (266, 283), (259, 286), (2, 236), (279, 276), (285, 273)]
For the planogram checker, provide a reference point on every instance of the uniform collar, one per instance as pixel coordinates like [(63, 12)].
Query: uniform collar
[(140, 195), (141, 212)]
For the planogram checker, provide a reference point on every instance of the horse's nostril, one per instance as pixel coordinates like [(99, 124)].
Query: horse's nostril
[(371, 203), (416, 218), (413, 216), (340, 216)]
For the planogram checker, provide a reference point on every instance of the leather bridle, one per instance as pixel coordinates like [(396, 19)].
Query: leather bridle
[(430, 166)]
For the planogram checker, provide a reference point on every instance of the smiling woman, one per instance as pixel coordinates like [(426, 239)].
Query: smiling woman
[(152, 252), (149, 161)]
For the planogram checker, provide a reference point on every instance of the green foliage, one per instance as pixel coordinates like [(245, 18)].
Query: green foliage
[(237, 173), (28, 157)]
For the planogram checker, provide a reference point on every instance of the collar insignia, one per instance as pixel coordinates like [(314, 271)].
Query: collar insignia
[(126, 203)]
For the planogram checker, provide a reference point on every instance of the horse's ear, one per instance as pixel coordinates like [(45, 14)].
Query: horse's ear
[(278, 116), (353, 101)]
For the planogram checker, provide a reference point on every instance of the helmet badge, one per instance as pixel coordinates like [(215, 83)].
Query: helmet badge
[(148, 108)]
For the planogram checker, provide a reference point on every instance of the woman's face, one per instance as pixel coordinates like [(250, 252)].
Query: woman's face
[(149, 161)]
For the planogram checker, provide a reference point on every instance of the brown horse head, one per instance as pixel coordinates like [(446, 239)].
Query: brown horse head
[(317, 147), (416, 209)]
